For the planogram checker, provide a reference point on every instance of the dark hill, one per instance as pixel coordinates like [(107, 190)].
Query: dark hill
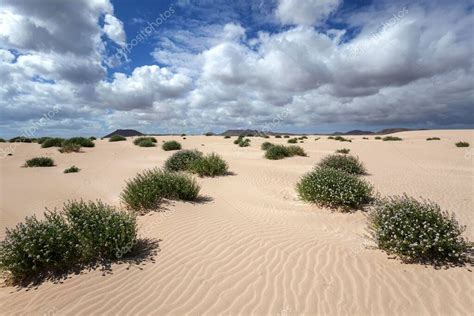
[(124, 132)]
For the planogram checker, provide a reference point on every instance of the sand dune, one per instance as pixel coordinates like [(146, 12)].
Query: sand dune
[(253, 248)]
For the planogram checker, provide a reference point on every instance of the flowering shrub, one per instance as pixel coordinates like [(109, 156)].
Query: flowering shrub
[(417, 231), (334, 188), (209, 166), (346, 163), (182, 160), (171, 145), (117, 138), (39, 162), (147, 190)]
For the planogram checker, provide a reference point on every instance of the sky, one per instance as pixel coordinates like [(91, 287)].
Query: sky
[(88, 67)]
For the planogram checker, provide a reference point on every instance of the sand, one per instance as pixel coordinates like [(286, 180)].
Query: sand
[(253, 247)]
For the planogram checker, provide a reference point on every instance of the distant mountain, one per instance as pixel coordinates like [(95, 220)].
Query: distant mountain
[(125, 133), (237, 132), (382, 132), (355, 132), (394, 130)]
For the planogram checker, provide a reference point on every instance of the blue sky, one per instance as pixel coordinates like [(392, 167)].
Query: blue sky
[(284, 65)]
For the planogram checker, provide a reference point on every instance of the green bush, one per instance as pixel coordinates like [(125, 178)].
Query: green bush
[(346, 163), (391, 138), (277, 136), (147, 190), (2, 140), (41, 140), (286, 136), (82, 234), (146, 143), (117, 138), (69, 148), (462, 144), (417, 231), (72, 169), (226, 136), (138, 140), (171, 145), (81, 141), (238, 140), (433, 138), (209, 134), (331, 137), (317, 138), (343, 151), (39, 162), (292, 141), (244, 142), (342, 139), (296, 151), (20, 139), (182, 160), (266, 145), (92, 138), (334, 188), (365, 138), (52, 142), (378, 137), (277, 152), (209, 166)]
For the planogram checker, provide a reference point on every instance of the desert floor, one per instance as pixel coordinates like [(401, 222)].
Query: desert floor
[(252, 247)]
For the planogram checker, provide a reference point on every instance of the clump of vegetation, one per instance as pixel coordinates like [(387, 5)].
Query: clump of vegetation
[(39, 162), (277, 136), (343, 151), (92, 138), (296, 151), (292, 141), (83, 233), (378, 137), (52, 142), (209, 166), (69, 148), (239, 138), (146, 139), (417, 231), (391, 138), (266, 145), (227, 136), (171, 145), (20, 139), (462, 144), (72, 169), (182, 160), (365, 138), (148, 189), (331, 137), (182, 135), (2, 140), (433, 138), (317, 138), (81, 141), (146, 143), (334, 188), (277, 152), (345, 163), (209, 134), (244, 142), (286, 136), (117, 138), (342, 139)]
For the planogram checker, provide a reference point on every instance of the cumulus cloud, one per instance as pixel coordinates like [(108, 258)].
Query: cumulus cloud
[(306, 12), (113, 27)]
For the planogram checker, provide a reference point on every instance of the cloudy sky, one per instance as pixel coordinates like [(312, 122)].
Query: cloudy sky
[(87, 67)]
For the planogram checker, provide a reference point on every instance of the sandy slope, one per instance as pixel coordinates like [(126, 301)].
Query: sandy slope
[(253, 248)]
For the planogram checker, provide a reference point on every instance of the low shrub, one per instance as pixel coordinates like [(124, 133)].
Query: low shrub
[(171, 145), (83, 233), (138, 140), (462, 144), (266, 145), (81, 141), (296, 151), (331, 137), (433, 138), (365, 138), (69, 148), (20, 139), (334, 188), (182, 135), (93, 138), (286, 136), (244, 142), (343, 151), (342, 139), (209, 166), (117, 138), (147, 189), (72, 169), (277, 152), (391, 138), (226, 136), (292, 141), (277, 136), (182, 160), (238, 140), (417, 231), (39, 162), (146, 143), (52, 142), (346, 163), (378, 137), (209, 134), (317, 138)]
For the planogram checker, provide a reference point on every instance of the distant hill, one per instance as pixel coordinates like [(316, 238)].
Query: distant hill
[(237, 132), (125, 133), (355, 132), (382, 132)]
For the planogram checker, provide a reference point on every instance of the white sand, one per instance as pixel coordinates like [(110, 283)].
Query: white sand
[(253, 249)]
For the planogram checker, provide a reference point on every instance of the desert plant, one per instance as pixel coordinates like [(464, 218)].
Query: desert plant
[(378, 137), (39, 162), (171, 145), (433, 138), (417, 231), (346, 163), (277, 152), (296, 151), (391, 138), (277, 136), (317, 138), (147, 189), (365, 138), (462, 144), (342, 139), (331, 137), (146, 143), (343, 151), (238, 140), (81, 141), (266, 145), (286, 136), (209, 134), (93, 138), (182, 160), (117, 138), (292, 141), (72, 169), (2, 140), (244, 142), (138, 140), (334, 188), (69, 148), (227, 136), (52, 142), (20, 139), (209, 166)]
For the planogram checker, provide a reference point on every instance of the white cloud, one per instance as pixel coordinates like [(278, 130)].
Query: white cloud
[(307, 12), (113, 27)]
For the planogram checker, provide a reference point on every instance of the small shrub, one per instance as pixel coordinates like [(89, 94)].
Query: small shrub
[(72, 169), (147, 190), (52, 142), (433, 138), (20, 139), (146, 143), (417, 231), (317, 138), (286, 136), (277, 136), (266, 145), (277, 152), (209, 134), (93, 138), (238, 140), (138, 140), (182, 160), (117, 138), (209, 166), (69, 148), (226, 136), (391, 138), (182, 135), (296, 151), (39, 162), (343, 151), (81, 141), (365, 138), (334, 188), (378, 137), (462, 144), (244, 142), (292, 141), (171, 145), (342, 139), (346, 163)]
